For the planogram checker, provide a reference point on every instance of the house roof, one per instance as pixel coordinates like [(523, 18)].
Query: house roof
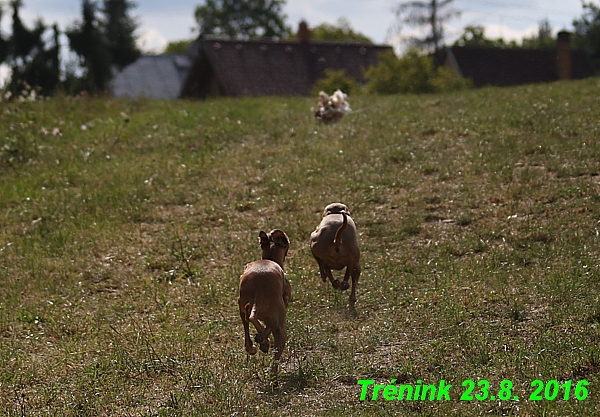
[(504, 67), (160, 76), (267, 67)]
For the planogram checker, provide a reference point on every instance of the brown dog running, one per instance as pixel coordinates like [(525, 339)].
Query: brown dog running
[(334, 246), (265, 294)]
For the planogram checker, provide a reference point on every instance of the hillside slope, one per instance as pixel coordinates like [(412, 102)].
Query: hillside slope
[(124, 228)]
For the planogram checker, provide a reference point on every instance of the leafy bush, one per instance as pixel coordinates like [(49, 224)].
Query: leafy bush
[(413, 73), (447, 79), (336, 80)]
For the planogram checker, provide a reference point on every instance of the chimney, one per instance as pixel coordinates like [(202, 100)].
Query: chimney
[(303, 32), (564, 62)]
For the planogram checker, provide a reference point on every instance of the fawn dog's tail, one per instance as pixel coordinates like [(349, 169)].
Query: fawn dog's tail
[(337, 242)]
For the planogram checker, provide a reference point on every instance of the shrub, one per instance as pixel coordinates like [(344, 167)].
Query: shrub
[(336, 80), (447, 79), (413, 73), (386, 77)]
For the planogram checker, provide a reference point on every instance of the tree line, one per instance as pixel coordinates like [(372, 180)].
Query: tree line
[(432, 14), (102, 40)]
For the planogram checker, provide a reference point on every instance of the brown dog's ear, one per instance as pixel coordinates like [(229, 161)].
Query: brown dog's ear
[(264, 239), (280, 238)]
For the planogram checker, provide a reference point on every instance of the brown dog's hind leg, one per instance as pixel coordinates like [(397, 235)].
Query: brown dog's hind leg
[(264, 347), (355, 277), (251, 317), (262, 336), (263, 339), (344, 285), (326, 273), (250, 348), (280, 336), (257, 325)]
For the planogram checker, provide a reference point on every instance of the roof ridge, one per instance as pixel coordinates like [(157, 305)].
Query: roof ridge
[(214, 38)]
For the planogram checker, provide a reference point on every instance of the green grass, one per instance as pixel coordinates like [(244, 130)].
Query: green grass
[(124, 228)]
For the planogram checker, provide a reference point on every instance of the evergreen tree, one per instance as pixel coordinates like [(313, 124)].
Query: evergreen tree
[(23, 45), (4, 43), (23, 40), (88, 41), (242, 18), (33, 66), (43, 69), (119, 29)]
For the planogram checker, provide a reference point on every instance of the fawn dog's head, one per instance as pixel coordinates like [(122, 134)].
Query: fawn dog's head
[(336, 208)]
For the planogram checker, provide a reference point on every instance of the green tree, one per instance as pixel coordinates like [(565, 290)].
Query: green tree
[(475, 36), (587, 33), (119, 30), (89, 42), (242, 18), (413, 73), (177, 47), (340, 32), (432, 14)]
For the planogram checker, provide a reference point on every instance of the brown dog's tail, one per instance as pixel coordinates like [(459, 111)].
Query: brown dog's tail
[(337, 242), (250, 311)]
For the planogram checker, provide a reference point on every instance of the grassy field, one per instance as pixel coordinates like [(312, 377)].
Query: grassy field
[(124, 228)]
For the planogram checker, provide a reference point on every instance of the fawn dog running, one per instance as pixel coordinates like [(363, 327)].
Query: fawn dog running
[(334, 245)]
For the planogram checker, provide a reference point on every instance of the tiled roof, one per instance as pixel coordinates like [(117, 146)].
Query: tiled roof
[(160, 77), (504, 67), (267, 67)]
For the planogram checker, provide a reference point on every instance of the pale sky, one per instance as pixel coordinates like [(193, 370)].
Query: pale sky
[(161, 21)]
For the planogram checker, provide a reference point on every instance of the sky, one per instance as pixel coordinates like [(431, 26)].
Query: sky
[(162, 21)]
